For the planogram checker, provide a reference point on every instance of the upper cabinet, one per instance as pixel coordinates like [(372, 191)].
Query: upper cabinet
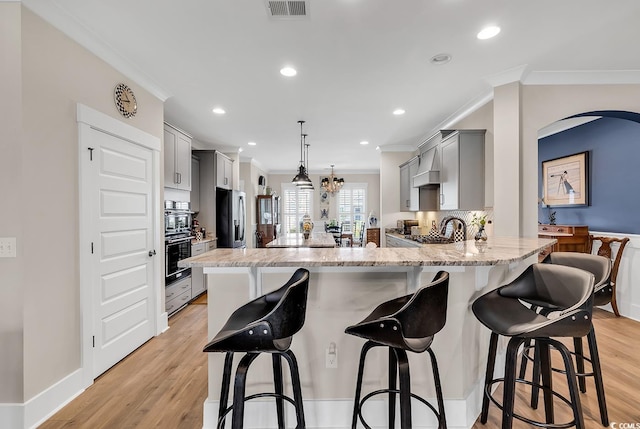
[(462, 170), (224, 171), (408, 194), (177, 159), (414, 199)]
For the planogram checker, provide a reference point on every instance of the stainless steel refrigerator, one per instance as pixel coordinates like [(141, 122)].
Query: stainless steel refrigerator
[(231, 218)]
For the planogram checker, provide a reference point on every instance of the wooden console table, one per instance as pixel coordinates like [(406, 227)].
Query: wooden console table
[(571, 238)]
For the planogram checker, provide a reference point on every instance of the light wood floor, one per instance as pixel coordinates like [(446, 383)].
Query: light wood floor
[(163, 384)]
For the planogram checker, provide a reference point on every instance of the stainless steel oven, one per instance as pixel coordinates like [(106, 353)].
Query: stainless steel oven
[(176, 249), (177, 232)]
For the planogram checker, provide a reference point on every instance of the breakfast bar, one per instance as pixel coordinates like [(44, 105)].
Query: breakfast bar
[(346, 284)]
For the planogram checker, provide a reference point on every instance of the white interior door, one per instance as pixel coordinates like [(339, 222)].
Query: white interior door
[(119, 230), (123, 268)]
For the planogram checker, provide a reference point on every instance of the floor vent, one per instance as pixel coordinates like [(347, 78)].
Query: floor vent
[(287, 9)]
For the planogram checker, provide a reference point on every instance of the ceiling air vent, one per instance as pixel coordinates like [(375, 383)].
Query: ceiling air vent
[(287, 9)]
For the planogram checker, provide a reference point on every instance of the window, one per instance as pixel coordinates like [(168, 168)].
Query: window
[(352, 210), (297, 203)]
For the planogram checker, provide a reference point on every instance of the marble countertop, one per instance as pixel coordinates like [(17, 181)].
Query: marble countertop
[(496, 250), (204, 240), (316, 239)]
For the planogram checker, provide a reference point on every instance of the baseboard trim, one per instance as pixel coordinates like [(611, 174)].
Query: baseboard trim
[(36, 410), (336, 413)]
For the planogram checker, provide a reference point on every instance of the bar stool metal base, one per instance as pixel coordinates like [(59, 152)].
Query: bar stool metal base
[(510, 381), (237, 408), (398, 367), (593, 360)]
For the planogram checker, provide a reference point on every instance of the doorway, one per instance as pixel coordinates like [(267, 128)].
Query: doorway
[(119, 234)]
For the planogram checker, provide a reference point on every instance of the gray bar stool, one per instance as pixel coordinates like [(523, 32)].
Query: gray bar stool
[(408, 323), (600, 267), (566, 290), (264, 325)]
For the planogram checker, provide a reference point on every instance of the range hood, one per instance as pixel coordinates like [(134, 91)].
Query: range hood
[(428, 170)]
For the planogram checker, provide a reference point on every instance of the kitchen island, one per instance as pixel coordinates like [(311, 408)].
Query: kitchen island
[(345, 285), (316, 239)]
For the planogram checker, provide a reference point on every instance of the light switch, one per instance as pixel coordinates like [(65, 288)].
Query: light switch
[(7, 247)]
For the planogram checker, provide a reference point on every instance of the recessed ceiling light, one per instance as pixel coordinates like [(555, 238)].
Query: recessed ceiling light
[(398, 112), (240, 149), (219, 111), (440, 59), (288, 71), (488, 32), (251, 143), (364, 143)]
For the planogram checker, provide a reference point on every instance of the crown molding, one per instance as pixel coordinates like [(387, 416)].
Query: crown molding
[(57, 17), (586, 77), (515, 74)]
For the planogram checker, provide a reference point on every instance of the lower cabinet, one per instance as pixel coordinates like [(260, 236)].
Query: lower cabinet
[(399, 242), (198, 279), (177, 295)]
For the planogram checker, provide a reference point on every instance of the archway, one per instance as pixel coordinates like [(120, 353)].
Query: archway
[(610, 138)]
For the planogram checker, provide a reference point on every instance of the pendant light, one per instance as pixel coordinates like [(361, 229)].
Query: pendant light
[(301, 178), (306, 164)]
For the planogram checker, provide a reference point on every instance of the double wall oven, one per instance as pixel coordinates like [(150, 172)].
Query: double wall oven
[(177, 241)]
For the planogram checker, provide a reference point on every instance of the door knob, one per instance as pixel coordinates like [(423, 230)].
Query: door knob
[(152, 253)]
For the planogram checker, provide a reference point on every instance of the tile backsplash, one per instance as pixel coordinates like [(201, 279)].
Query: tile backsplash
[(426, 218)]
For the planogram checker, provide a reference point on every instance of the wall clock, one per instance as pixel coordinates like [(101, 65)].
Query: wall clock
[(125, 100)]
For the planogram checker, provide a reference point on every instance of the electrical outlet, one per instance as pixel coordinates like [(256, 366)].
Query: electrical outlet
[(7, 247), (331, 356)]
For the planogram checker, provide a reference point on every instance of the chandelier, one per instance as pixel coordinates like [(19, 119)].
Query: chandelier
[(332, 184), (302, 179)]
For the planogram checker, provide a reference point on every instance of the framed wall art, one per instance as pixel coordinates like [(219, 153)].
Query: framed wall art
[(565, 181)]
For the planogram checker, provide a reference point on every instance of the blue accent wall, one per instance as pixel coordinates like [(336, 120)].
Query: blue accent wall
[(614, 164)]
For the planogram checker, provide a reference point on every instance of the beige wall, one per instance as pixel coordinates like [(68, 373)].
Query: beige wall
[(389, 211), (57, 74), (11, 200)]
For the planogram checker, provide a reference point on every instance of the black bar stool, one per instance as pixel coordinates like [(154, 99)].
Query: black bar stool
[(600, 267), (569, 291), (408, 323), (264, 325)]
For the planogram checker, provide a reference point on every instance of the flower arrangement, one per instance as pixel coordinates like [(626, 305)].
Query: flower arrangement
[(479, 220)]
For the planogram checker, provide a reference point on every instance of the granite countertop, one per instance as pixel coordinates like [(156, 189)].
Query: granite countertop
[(316, 239), (496, 250), (204, 240)]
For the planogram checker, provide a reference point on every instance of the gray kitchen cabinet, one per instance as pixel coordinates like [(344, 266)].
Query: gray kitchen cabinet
[(195, 183), (462, 170), (198, 280), (409, 196), (415, 199), (177, 158), (224, 171), (177, 295)]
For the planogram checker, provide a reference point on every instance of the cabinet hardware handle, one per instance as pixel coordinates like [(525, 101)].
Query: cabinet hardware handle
[(170, 295), (152, 252), (176, 178)]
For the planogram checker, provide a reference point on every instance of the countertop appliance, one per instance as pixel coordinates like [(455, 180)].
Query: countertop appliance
[(177, 239), (404, 225), (231, 217)]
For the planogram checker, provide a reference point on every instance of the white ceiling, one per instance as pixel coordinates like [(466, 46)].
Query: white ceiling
[(357, 61)]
